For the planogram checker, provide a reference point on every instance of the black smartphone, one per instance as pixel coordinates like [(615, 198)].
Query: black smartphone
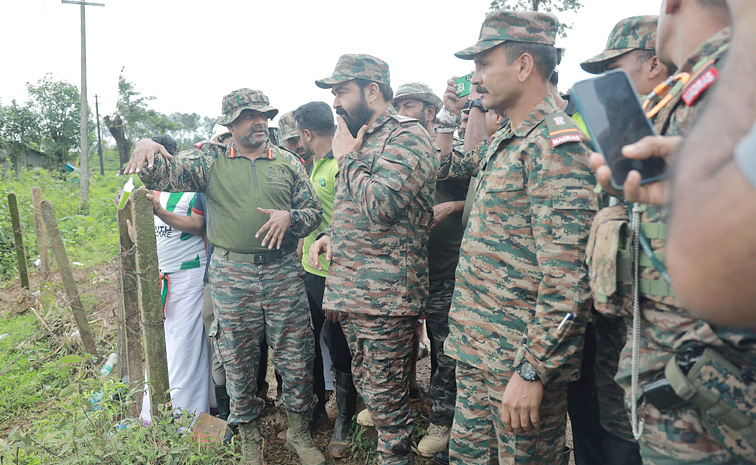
[(615, 118)]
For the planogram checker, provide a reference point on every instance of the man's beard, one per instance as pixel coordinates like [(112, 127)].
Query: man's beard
[(250, 138), (361, 115)]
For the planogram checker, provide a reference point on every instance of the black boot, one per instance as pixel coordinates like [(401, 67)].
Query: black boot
[(346, 401), (224, 410), (441, 457)]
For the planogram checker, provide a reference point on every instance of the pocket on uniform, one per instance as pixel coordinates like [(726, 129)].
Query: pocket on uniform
[(574, 209)]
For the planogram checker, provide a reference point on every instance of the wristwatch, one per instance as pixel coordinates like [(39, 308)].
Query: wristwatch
[(478, 103), (527, 371)]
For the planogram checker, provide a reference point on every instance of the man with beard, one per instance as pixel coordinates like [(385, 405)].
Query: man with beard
[(521, 297), (417, 100), (259, 200), (290, 140), (378, 276)]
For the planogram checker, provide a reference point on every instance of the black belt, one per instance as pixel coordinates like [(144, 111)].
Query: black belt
[(262, 258)]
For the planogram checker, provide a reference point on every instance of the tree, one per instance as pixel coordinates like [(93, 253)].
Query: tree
[(48, 122), (56, 104), (547, 6), (133, 120)]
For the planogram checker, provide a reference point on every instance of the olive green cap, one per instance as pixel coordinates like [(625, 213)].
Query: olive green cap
[(634, 33), (357, 66), (418, 91), (513, 26), (287, 127), (245, 99)]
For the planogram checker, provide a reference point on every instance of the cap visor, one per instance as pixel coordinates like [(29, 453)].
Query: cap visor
[(596, 64), (327, 83), (470, 52)]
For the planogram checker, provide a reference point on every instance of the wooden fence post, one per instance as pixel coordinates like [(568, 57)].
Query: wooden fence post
[(18, 239), (36, 194), (150, 299), (66, 274), (130, 303)]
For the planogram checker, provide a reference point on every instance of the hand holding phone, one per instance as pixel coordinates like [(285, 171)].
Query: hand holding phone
[(610, 107)]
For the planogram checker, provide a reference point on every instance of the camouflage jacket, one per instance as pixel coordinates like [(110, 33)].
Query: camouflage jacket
[(381, 217), (235, 186), (521, 269), (460, 165), (666, 326)]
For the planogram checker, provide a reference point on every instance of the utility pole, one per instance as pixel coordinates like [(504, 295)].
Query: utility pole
[(84, 134), (99, 137)]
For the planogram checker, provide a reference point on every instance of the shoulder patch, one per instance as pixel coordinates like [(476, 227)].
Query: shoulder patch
[(562, 129), (404, 119), (699, 84)]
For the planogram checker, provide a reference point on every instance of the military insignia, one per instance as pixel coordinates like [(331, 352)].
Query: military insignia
[(698, 85), (562, 130)]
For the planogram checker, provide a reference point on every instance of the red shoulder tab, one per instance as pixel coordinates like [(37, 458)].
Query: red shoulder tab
[(198, 145), (698, 86)]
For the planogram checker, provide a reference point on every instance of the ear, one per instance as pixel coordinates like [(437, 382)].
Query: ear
[(525, 67), (372, 92), (308, 135), (654, 68), (430, 114)]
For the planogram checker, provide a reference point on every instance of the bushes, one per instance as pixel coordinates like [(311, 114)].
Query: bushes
[(90, 238)]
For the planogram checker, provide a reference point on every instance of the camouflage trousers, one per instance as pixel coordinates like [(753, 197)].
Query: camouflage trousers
[(251, 301), (443, 385), (478, 436), (381, 356)]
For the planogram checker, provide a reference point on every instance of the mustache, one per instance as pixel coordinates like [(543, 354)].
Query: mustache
[(481, 90), (340, 111), (257, 127)]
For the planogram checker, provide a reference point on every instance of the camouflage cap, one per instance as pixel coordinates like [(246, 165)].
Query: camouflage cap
[(287, 127), (513, 26), (418, 91), (357, 66), (634, 33), (245, 99)]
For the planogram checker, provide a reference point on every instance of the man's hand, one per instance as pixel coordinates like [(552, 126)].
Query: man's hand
[(156, 207), (277, 225), (322, 245), (453, 103), (333, 316), (443, 211), (520, 404), (654, 193), (343, 141), (145, 150)]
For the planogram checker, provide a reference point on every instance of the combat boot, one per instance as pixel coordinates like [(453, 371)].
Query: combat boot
[(252, 443), (298, 439), (346, 403), (224, 410)]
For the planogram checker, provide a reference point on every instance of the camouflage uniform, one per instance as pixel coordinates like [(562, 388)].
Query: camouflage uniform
[(685, 434), (255, 291), (443, 256), (629, 34), (521, 270), (378, 276)]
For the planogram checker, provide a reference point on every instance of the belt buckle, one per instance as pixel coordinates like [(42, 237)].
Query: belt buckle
[(259, 259)]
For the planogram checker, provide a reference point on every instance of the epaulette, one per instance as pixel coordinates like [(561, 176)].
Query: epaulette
[(562, 129), (404, 119), (702, 80), (205, 143)]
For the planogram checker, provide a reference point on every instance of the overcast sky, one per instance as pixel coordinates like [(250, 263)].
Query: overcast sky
[(188, 54)]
